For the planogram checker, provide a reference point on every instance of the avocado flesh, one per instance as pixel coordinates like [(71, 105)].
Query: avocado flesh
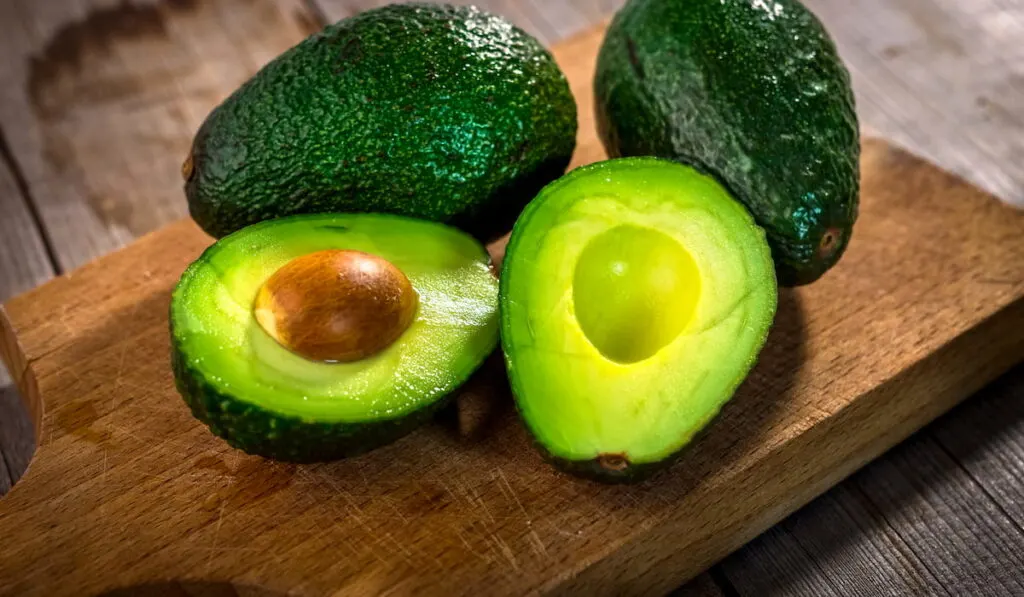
[(436, 112), (267, 400), (752, 93), (636, 295)]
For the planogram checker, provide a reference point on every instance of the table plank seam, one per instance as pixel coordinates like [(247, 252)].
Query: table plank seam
[(7, 159), (721, 578), (977, 482), (317, 12), (810, 556), (896, 536)]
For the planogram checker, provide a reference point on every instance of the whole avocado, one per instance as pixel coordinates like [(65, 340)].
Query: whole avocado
[(438, 112), (752, 92)]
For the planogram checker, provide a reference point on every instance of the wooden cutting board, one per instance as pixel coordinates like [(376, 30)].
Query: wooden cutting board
[(127, 489)]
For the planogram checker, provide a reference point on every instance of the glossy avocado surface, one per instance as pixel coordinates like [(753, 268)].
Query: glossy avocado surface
[(266, 399), (438, 112), (636, 295), (753, 93)]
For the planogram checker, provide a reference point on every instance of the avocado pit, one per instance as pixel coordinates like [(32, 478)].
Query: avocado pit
[(336, 305)]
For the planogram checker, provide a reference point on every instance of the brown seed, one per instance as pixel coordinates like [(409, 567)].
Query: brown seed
[(336, 305)]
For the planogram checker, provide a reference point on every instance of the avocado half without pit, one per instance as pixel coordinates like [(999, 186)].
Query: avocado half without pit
[(312, 338), (636, 295)]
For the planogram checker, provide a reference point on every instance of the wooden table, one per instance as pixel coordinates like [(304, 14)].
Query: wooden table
[(99, 99)]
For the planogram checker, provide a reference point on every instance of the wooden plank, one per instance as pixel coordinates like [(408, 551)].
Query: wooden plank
[(100, 99), (986, 437), (24, 263), (776, 564), (7, 478), (702, 586), (959, 535), (944, 78), (17, 440), (931, 297), (913, 523)]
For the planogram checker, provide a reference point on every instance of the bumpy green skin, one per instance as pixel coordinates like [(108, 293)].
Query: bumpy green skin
[(437, 112), (752, 93), (259, 431)]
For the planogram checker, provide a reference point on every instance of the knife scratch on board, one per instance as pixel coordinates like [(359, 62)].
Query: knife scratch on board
[(511, 492), (476, 552)]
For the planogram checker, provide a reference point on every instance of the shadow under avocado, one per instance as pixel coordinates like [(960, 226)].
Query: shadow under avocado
[(483, 418), (481, 404)]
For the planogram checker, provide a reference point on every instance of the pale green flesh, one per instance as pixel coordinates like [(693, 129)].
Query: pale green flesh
[(454, 330), (633, 291), (700, 310)]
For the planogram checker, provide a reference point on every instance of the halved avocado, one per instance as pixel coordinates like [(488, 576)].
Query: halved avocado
[(636, 295), (316, 337)]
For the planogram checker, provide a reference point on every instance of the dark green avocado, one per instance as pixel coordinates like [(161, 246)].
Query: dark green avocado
[(438, 112), (752, 93), (636, 294), (239, 376)]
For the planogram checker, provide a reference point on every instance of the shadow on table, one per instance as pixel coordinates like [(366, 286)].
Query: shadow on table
[(17, 440)]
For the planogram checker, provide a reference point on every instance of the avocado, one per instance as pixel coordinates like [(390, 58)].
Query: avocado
[(437, 112), (752, 93), (315, 337), (636, 294)]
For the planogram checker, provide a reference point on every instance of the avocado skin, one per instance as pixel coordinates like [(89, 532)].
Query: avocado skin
[(437, 112), (593, 470), (756, 97), (634, 472), (258, 431)]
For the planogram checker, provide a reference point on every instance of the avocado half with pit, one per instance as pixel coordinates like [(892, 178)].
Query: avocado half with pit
[(636, 295), (316, 337)]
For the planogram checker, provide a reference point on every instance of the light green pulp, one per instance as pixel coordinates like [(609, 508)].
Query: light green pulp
[(700, 304), (455, 327)]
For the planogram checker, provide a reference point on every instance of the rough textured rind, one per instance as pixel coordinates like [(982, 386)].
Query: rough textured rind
[(437, 112), (752, 93), (262, 432)]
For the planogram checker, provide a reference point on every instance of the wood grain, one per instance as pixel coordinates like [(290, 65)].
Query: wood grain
[(912, 523), (100, 100), (126, 488), (549, 21), (944, 78), (24, 263), (986, 437)]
